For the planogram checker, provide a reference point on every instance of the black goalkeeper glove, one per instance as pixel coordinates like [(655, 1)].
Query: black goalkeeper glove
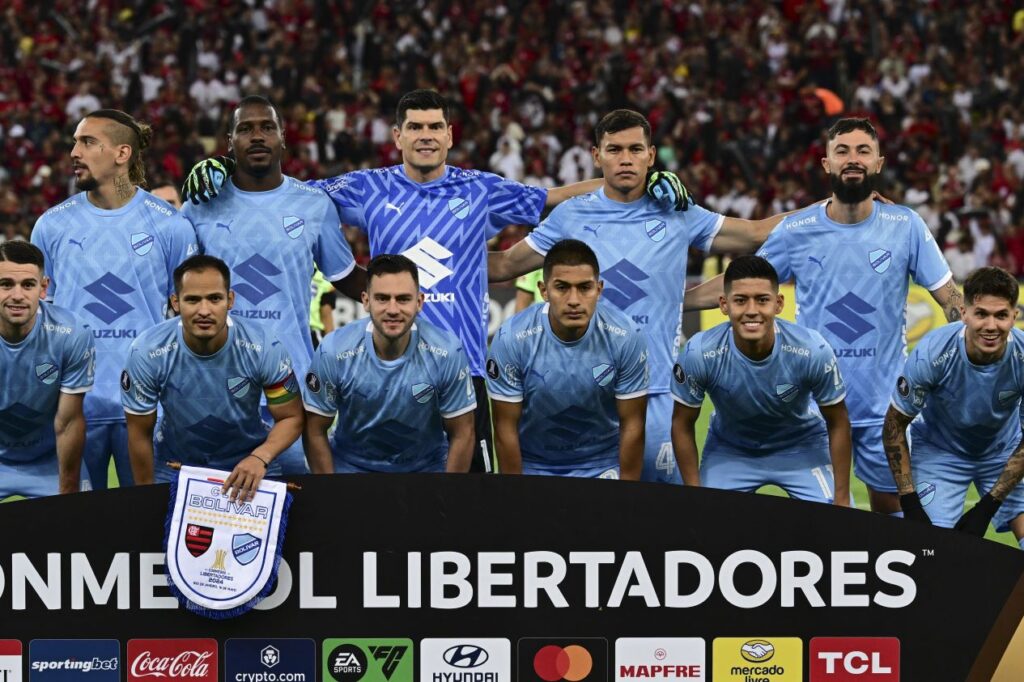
[(206, 178), (912, 509), (667, 189), (976, 520)]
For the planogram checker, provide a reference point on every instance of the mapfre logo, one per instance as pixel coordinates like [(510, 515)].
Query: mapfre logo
[(855, 659), (660, 658), (172, 659)]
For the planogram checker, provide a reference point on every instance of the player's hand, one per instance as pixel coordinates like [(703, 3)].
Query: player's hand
[(667, 189), (206, 178), (976, 520), (245, 478), (912, 509), (878, 196)]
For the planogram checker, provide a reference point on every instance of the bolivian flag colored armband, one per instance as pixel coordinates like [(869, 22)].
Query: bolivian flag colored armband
[(282, 391)]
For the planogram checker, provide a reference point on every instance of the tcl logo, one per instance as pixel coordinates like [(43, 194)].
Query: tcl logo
[(172, 659), (853, 659)]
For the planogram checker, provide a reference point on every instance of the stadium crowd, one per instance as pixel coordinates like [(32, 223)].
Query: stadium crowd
[(737, 92)]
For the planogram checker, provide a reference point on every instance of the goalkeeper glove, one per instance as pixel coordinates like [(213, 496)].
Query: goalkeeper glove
[(666, 188), (206, 178), (976, 520), (912, 509)]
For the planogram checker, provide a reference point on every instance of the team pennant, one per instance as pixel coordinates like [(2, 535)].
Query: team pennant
[(222, 556)]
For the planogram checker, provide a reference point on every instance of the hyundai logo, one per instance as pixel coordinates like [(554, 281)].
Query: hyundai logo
[(466, 656)]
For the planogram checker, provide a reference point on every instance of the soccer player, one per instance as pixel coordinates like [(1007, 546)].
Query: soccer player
[(400, 386), (168, 193), (270, 229), (569, 378), (642, 247), (852, 259), (441, 218), (47, 358), (208, 371), (963, 383), (110, 253), (762, 375)]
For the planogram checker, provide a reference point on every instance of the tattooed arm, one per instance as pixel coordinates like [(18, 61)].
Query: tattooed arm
[(1011, 476), (894, 439), (951, 300)]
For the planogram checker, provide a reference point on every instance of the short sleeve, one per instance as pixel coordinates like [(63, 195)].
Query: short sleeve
[(332, 254), (927, 266), (775, 252), (139, 384), (551, 231), (504, 374), (347, 192), (512, 203), (633, 374), (456, 395), (827, 385), (703, 226), (78, 373), (688, 385), (276, 373), (914, 384), (317, 396)]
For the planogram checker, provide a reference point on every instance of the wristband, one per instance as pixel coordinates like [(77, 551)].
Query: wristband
[(266, 465)]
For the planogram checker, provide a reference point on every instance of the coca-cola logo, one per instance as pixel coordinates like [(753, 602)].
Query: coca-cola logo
[(170, 659)]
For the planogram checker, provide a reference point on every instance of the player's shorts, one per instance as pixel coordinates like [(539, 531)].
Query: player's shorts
[(103, 439), (605, 470), (803, 474), (292, 460), (869, 462), (942, 479), (165, 474), (34, 478), (659, 457), (345, 467)]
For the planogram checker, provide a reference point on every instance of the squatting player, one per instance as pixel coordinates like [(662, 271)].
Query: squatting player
[(569, 378), (400, 386), (963, 383), (642, 247), (47, 357), (208, 369), (762, 375), (270, 229), (110, 253)]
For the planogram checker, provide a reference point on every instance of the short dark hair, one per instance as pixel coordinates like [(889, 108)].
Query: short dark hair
[(422, 100), (570, 252), (391, 264), (750, 267), (848, 125), (256, 101), (619, 120), (991, 281), (198, 263), (135, 134), (24, 253)]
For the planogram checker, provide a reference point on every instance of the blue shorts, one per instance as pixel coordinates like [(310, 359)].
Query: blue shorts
[(803, 474), (103, 440), (869, 461), (165, 474), (942, 479), (659, 458), (35, 478), (610, 471), (342, 466)]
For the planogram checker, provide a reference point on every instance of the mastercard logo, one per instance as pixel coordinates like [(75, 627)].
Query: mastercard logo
[(553, 663)]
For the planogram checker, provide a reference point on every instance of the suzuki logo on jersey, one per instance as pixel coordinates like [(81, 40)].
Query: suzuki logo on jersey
[(619, 284), (255, 287), (459, 207), (142, 243), (211, 434), (108, 290), (880, 260), (18, 420), (849, 659), (293, 226), (427, 255), (850, 311), (655, 230)]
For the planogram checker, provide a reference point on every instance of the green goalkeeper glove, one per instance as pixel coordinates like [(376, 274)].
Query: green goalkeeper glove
[(666, 188), (976, 520), (206, 178)]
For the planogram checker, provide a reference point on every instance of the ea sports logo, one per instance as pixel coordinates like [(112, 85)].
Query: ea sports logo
[(347, 663), (553, 663)]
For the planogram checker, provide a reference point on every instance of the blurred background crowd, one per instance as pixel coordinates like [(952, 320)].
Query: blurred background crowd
[(738, 93)]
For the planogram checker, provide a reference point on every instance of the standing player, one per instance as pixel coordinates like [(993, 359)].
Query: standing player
[(642, 248), (852, 258), (762, 374), (569, 378), (438, 216), (208, 372), (110, 253), (397, 384), (964, 382), (47, 359), (270, 229)]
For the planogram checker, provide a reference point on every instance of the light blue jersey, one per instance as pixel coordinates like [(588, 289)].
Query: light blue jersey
[(211, 414), (443, 227), (56, 357), (115, 270), (761, 406), (973, 411), (390, 412), (270, 240), (851, 286), (568, 390)]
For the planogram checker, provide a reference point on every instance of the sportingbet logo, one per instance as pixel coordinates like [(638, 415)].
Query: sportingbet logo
[(620, 284), (849, 312), (855, 659), (255, 286), (172, 659), (108, 291), (89, 660), (427, 255)]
